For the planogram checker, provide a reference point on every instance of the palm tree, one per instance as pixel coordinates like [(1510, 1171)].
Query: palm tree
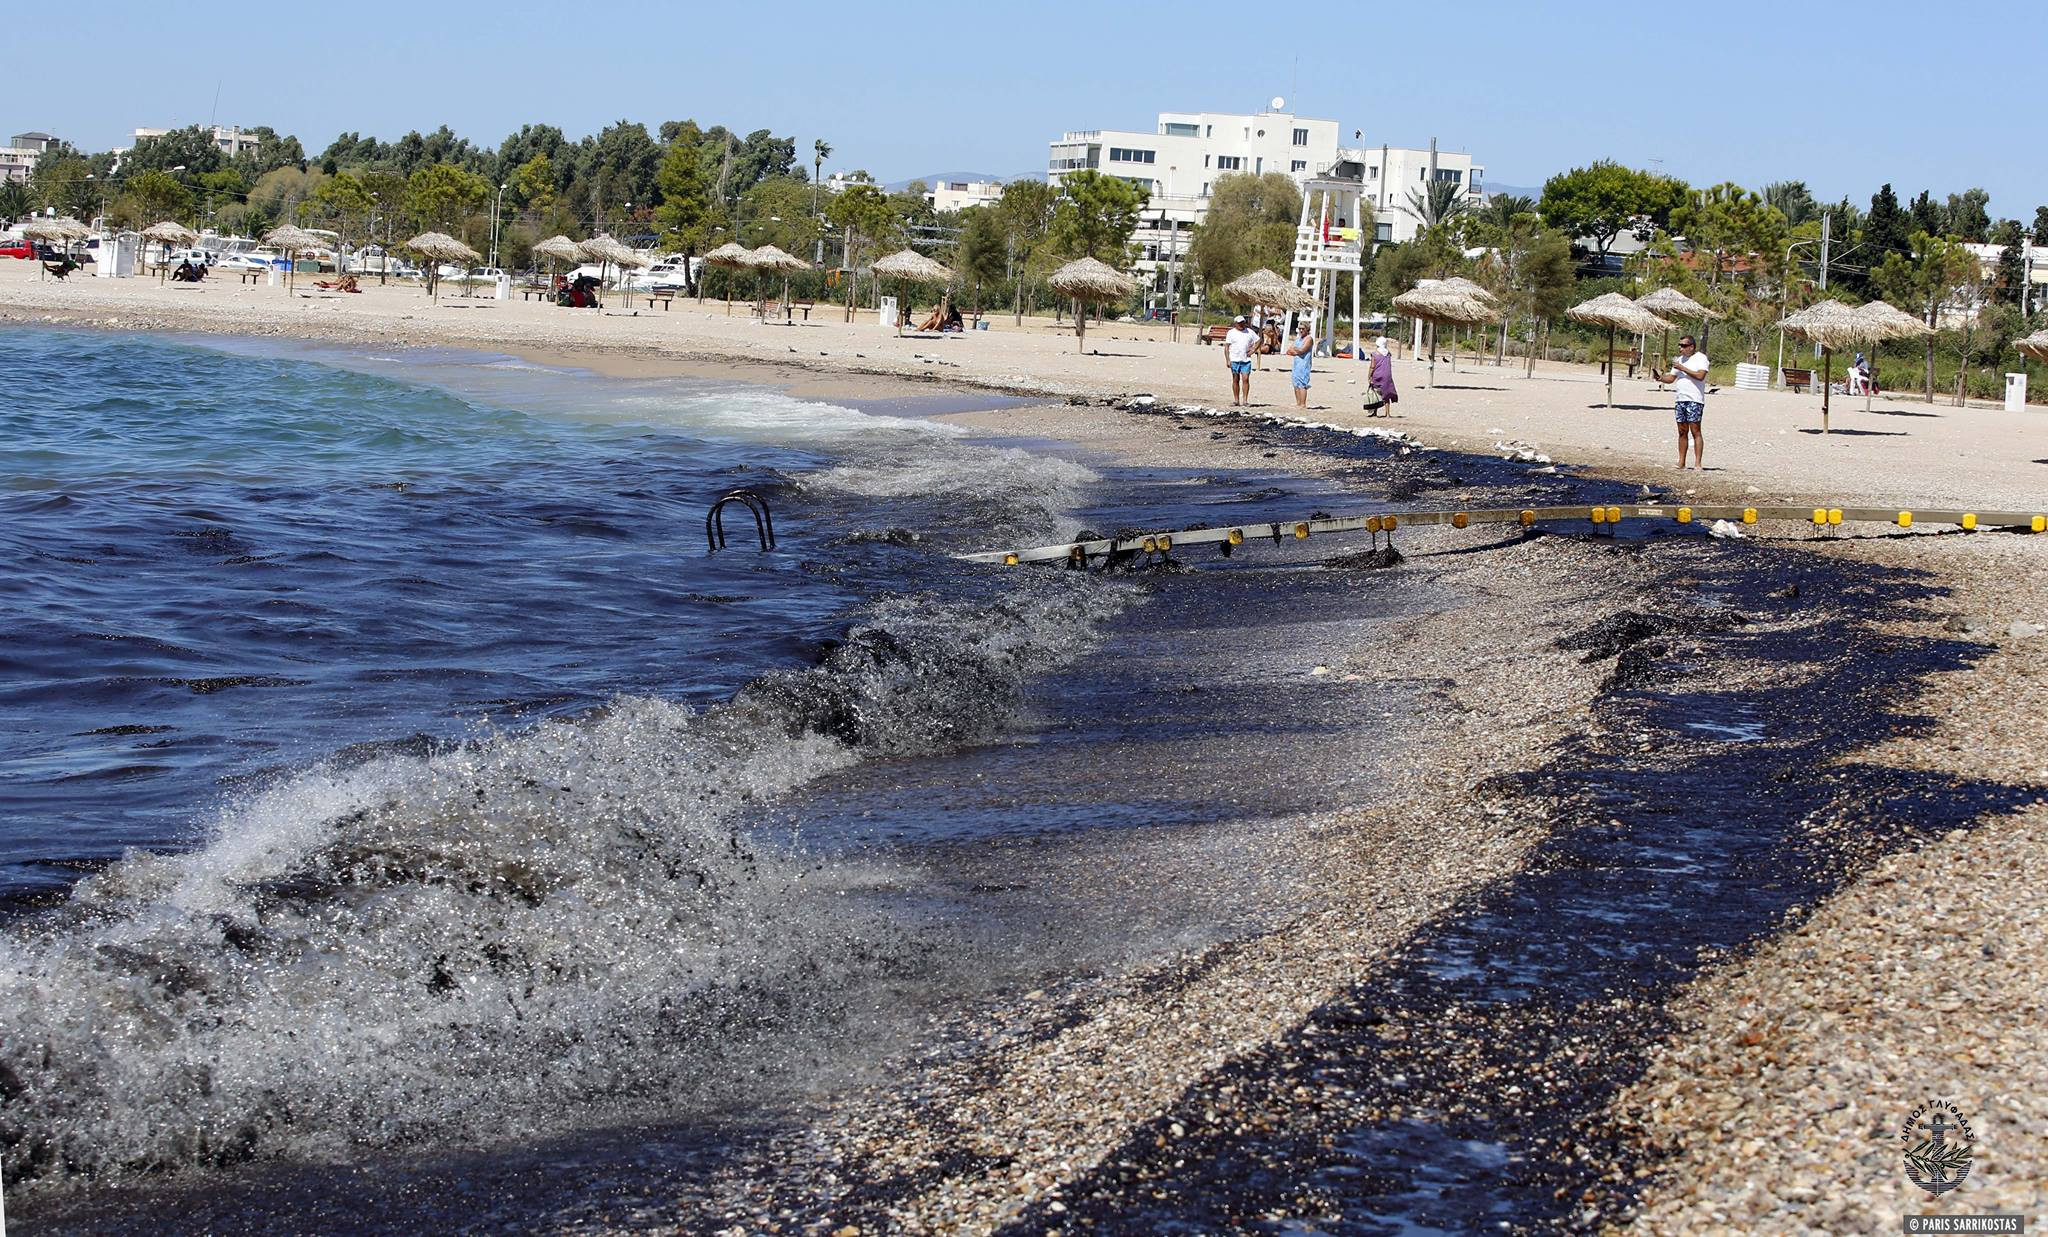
[(1503, 208), (821, 150), (1440, 202)]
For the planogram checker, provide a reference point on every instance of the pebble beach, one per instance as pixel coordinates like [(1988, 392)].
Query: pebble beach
[(1755, 1084)]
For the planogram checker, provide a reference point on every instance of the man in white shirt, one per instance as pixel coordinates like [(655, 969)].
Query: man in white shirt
[(1238, 343), (1688, 377)]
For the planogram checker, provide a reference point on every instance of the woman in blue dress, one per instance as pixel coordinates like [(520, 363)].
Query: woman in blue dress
[(1303, 349)]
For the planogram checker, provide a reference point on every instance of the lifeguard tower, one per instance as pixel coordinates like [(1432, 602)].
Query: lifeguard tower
[(1336, 226)]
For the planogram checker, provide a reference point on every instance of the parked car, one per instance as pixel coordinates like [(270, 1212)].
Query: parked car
[(16, 247), (481, 274), (197, 257), (245, 262), (670, 273)]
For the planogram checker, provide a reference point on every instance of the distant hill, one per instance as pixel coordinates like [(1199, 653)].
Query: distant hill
[(1517, 190), (898, 186)]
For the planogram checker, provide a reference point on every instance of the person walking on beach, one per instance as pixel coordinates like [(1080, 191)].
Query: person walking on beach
[(1688, 377), (1383, 398), (1238, 343), (1303, 349)]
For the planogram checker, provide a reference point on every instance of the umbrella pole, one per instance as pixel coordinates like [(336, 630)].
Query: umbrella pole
[(1432, 356), (1610, 367), (1827, 383), (1080, 328)]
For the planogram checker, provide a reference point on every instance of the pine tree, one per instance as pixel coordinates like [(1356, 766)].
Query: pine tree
[(1886, 229)]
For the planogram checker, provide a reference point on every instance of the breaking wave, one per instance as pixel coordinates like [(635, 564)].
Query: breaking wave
[(499, 936)]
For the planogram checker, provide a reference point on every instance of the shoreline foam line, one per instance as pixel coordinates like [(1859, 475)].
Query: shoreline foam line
[(1240, 534)]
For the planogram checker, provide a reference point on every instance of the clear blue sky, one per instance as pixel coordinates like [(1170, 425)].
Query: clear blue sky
[(1937, 96)]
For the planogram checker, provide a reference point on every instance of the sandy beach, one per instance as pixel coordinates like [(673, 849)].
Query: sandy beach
[(1764, 1088)]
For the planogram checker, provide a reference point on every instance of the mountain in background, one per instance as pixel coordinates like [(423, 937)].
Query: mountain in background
[(898, 186), (1517, 190)]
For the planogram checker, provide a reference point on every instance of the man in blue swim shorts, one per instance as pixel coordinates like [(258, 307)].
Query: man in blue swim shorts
[(1688, 376), (1238, 343)]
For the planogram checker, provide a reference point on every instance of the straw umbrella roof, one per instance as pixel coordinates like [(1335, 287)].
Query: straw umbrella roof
[(1617, 312), (1887, 321), (1831, 324), (1458, 283), (558, 247), (1089, 280), (769, 258), (914, 266), (61, 228), (1433, 301), (607, 249), (732, 253), (1671, 303), (442, 247), (290, 237), (1264, 287), (2035, 345), (169, 232)]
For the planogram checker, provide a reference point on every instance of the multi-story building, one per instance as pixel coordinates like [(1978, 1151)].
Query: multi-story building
[(1179, 162), (18, 157), (1397, 179), (952, 195), (232, 139), (16, 162)]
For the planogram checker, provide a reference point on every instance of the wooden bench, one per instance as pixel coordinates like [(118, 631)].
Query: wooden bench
[(1795, 379), (528, 291), (667, 299), (1213, 334), (249, 276), (1632, 358)]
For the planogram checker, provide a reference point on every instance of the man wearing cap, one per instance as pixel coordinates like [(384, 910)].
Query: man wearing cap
[(1238, 343)]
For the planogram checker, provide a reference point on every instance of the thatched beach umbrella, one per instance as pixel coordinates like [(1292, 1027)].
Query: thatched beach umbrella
[(1886, 321), (2035, 345), (911, 266), (60, 230), (168, 233), (291, 240), (1670, 303), (1264, 289), (1437, 301), (556, 248), (775, 261), (610, 252), (733, 256), (1089, 282), (1616, 312), (438, 247), (1832, 325)]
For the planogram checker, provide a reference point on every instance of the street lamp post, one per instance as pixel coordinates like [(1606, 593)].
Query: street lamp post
[(1784, 292), (497, 204)]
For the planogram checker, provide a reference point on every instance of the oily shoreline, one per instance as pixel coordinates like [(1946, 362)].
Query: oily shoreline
[(1956, 560)]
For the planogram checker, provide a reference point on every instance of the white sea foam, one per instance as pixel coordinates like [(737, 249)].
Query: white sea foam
[(486, 941)]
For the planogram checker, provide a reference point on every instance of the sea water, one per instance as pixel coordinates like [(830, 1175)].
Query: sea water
[(386, 760)]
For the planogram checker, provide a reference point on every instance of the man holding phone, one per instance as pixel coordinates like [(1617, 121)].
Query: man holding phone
[(1688, 376)]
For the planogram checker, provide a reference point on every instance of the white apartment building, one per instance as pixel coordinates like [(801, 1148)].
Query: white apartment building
[(950, 195), (1393, 173), (1179, 162), (16, 162), (230, 138)]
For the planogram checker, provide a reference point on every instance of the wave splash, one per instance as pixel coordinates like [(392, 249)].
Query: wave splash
[(501, 936)]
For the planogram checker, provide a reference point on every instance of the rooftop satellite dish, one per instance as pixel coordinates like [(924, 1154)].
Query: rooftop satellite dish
[(1279, 103)]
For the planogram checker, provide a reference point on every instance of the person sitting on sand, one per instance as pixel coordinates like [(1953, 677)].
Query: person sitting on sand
[(1383, 398), (185, 273), (1303, 349)]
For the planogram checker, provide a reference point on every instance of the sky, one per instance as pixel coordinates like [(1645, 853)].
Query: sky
[(1844, 97)]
